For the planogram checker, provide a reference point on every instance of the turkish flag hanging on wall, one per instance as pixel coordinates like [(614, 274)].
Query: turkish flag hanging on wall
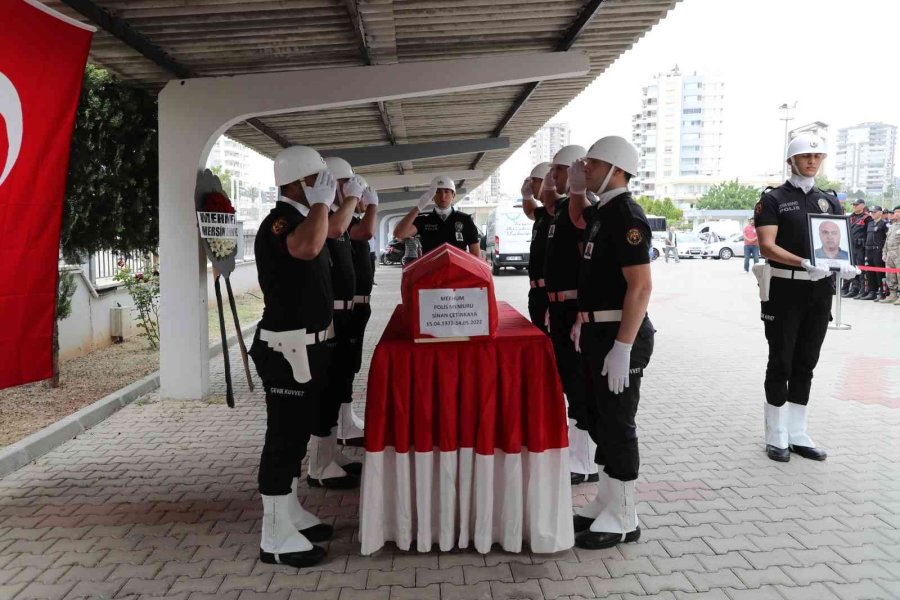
[(42, 58)]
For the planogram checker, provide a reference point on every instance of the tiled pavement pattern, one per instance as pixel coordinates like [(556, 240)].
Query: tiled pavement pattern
[(160, 501)]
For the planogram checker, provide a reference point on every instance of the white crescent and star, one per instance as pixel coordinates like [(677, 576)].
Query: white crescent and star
[(11, 111)]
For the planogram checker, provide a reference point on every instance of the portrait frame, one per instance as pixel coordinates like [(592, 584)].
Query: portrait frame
[(818, 253)]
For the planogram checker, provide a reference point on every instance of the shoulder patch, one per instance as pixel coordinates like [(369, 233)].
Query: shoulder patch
[(279, 225), (758, 208), (634, 236)]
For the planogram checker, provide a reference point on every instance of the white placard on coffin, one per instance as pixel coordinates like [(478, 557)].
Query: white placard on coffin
[(449, 313)]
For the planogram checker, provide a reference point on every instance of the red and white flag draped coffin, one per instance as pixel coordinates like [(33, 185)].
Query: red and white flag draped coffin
[(468, 285)]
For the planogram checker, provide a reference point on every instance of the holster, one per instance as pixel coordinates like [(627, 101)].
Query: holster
[(291, 345), (763, 274)]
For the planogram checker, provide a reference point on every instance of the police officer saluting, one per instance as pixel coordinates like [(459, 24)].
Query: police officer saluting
[(541, 215), (859, 221), (798, 307), (290, 350), (613, 332), (442, 225), (362, 229), (328, 467)]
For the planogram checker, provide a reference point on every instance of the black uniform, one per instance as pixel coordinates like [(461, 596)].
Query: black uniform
[(876, 236), (458, 229), (537, 295), (362, 310), (616, 235), (798, 310), (858, 225), (297, 295), (561, 277), (339, 388)]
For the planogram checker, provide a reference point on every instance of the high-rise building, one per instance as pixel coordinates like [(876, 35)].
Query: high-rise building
[(547, 141), (679, 133), (865, 157), (495, 184)]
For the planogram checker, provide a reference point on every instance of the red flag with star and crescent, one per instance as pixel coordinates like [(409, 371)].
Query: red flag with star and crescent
[(42, 59)]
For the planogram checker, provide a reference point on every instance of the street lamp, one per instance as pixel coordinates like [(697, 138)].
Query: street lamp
[(786, 117)]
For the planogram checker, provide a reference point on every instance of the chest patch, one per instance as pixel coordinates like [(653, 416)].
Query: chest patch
[(551, 230), (588, 249), (279, 226), (459, 236), (823, 205), (459, 226), (634, 236), (431, 227)]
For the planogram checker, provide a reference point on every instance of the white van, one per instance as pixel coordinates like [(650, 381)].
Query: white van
[(724, 228), (508, 238)]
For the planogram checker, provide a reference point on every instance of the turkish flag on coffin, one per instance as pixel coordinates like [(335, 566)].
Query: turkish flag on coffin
[(42, 58)]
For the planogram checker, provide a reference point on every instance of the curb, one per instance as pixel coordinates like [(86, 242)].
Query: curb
[(17, 455)]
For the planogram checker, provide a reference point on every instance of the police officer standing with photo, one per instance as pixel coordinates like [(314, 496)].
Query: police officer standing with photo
[(442, 225), (290, 350), (797, 308), (613, 332)]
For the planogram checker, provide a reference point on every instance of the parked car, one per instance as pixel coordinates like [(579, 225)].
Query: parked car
[(657, 244), (690, 245), (725, 249), (393, 252)]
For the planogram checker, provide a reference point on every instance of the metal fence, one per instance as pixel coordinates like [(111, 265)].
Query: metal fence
[(103, 265)]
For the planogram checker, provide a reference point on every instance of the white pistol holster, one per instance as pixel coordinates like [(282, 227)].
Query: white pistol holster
[(763, 274), (291, 345)]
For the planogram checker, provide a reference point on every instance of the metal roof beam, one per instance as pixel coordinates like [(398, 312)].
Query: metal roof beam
[(406, 198), (382, 155), (391, 182)]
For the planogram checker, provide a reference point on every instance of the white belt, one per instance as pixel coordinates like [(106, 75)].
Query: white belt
[(790, 274), (563, 295), (537, 283), (343, 304), (602, 316), (361, 299)]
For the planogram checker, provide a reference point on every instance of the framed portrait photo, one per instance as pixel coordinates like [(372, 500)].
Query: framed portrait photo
[(829, 241)]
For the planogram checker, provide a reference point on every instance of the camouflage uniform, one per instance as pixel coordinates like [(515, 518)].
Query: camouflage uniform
[(892, 259)]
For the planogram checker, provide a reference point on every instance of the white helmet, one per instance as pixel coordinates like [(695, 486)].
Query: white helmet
[(297, 162), (339, 167), (540, 170), (443, 182), (616, 151), (568, 154), (806, 143)]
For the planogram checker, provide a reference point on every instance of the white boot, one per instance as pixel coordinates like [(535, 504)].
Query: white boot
[(776, 426), (619, 514), (300, 517), (592, 509), (322, 452), (797, 435), (581, 451), (279, 534), (349, 426)]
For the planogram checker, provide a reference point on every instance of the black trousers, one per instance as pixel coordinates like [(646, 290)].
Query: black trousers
[(612, 416), (358, 321), (873, 259), (537, 307), (291, 410), (568, 362), (338, 387), (796, 319)]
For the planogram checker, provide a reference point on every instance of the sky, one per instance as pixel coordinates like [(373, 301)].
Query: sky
[(836, 59)]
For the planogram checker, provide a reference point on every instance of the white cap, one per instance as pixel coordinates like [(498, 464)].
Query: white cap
[(540, 170), (443, 182), (568, 154), (297, 162), (806, 143), (616, 151), (339, 167)]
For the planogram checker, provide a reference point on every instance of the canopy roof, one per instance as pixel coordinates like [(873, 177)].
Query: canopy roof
[(149, 42)]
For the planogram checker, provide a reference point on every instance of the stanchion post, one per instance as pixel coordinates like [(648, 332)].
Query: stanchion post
[(837, 308)]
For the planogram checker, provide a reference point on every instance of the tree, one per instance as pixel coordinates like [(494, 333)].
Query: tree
[(730, 195), (224, 176), (823, 183), (65, 289), (112, 195), (661, 208)]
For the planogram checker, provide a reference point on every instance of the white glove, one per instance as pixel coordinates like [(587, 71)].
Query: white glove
[(427, 198), (577, 178), (815, 272), (527, 194), (848, 272), (353, 188), (549, 183), (616, 365), (369, 197), (323, 191), (575, 335)]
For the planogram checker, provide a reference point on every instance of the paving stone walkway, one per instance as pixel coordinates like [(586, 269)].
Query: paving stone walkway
[(160, 500)]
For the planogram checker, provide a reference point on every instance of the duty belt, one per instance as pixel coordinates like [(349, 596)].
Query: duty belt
[(601, 316), (790, 274), (292, 346), (343, 304), (563, 295), (537, 283), (361, 300)]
